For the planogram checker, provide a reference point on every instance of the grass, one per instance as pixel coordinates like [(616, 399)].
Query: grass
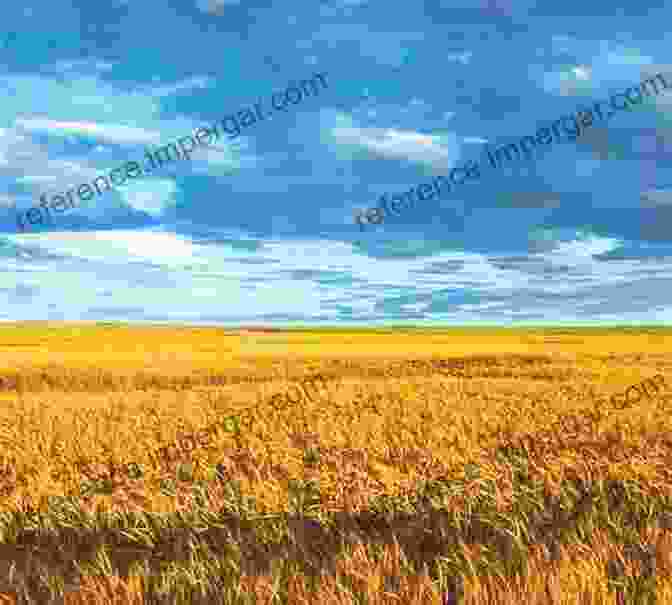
[(512, 482)]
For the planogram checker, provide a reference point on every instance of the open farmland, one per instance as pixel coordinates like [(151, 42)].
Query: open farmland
[(166, 465)]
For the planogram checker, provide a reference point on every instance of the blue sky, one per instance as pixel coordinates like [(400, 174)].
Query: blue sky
[(260, 229)]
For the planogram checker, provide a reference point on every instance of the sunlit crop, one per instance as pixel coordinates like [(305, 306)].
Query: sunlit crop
[(491, 465)]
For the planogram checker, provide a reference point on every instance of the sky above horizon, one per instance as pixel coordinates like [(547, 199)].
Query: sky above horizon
[(260, 229)]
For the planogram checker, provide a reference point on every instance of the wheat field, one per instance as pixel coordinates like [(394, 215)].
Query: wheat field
[(171, 465)]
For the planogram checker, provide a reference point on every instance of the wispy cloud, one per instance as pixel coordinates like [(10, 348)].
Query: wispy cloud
[(398, 144), (113, 133)]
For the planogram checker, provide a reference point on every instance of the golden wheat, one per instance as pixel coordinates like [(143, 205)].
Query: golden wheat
[(173, 457)]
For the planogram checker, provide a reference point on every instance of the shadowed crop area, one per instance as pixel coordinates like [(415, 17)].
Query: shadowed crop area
[(473, 466)]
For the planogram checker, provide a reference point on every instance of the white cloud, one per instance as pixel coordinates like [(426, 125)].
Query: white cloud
[(114, 133), (568, 82), (581, 72), (609, 66), (72, 100), (37, 178), (190, 84), (80, 65), (148, 196), (391, 143)]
